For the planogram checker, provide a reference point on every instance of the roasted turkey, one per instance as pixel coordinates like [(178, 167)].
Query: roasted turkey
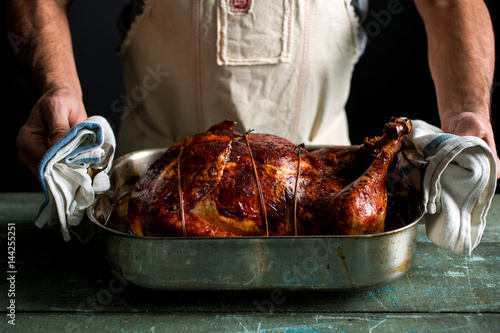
[(223, 183)]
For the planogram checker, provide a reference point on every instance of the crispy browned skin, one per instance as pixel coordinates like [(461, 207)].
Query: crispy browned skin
[(222, 183)]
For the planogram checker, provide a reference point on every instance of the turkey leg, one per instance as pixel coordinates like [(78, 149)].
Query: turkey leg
[(360, 208)]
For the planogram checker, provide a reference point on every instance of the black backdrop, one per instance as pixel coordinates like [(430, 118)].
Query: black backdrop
[(391, 79)]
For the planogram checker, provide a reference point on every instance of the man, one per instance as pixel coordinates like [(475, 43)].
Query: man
[(283, 67)]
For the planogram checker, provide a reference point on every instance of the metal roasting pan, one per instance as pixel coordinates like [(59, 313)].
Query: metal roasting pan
[(335, 263)]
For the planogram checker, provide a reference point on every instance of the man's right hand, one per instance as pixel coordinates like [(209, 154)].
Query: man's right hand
[(55, 113)]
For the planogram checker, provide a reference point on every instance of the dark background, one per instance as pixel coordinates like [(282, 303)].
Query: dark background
[(391, 79)]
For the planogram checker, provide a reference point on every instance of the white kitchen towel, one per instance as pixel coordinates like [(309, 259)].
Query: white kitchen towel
[(63, 174), (458, 185)]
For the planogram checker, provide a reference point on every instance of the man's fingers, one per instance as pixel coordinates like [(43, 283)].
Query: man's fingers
[(49, 120), (56, 133), (32, 142), (480, 127), (55, 113)]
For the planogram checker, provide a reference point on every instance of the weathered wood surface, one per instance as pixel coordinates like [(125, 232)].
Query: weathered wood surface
[(263, 323), (68, 287)]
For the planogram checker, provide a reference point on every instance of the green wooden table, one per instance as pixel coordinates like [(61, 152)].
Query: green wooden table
[(68, 287)]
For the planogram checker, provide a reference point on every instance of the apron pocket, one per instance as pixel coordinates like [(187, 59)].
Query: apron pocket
[(253, 32)]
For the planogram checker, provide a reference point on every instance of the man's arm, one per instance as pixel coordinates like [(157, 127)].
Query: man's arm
[(462, 61), (40, 38)]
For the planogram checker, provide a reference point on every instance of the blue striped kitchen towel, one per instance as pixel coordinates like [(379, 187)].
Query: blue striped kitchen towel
[(457, 187), (63, 174)]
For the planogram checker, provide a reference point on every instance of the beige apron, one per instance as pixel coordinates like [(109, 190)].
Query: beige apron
[(277, 66)]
